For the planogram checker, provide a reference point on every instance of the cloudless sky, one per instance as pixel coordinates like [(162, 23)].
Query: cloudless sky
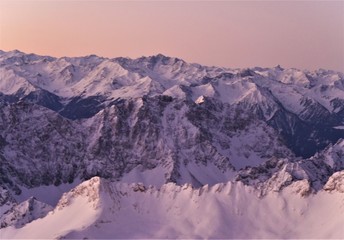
[(301, 34)]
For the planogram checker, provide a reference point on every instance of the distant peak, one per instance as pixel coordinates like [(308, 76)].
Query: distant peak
[(278, 67), (160, 55), (164, 59), (12, 52), (246, 72), (16, 51), (156, 57), (92, 56)]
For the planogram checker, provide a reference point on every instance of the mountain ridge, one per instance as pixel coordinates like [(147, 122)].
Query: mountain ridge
[(122, 210)]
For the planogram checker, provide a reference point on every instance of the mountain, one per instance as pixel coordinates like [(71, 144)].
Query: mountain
[(107, 209), (161, 121)]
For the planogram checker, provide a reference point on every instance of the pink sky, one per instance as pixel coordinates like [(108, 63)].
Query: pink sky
[(306, 35)]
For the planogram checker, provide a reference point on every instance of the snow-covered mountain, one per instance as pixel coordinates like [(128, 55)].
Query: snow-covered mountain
[(101, 209), (158, 120)]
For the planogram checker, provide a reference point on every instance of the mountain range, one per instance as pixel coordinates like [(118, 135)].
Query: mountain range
[(157, 147)]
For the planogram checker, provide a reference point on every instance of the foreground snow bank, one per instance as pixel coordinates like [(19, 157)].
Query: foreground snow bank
[(101, 209)]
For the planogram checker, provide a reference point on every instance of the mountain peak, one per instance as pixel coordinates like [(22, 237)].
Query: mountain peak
[(89, 190), (24, 213)]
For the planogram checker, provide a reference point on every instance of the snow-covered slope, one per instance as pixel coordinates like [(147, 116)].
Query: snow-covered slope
[(100, 209)]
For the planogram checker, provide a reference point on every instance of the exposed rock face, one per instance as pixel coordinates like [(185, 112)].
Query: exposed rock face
[(275, 174), (23, 213), (6, 200), (335, 182)]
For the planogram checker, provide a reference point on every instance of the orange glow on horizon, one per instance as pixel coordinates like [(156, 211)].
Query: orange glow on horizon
[(224, 33)]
